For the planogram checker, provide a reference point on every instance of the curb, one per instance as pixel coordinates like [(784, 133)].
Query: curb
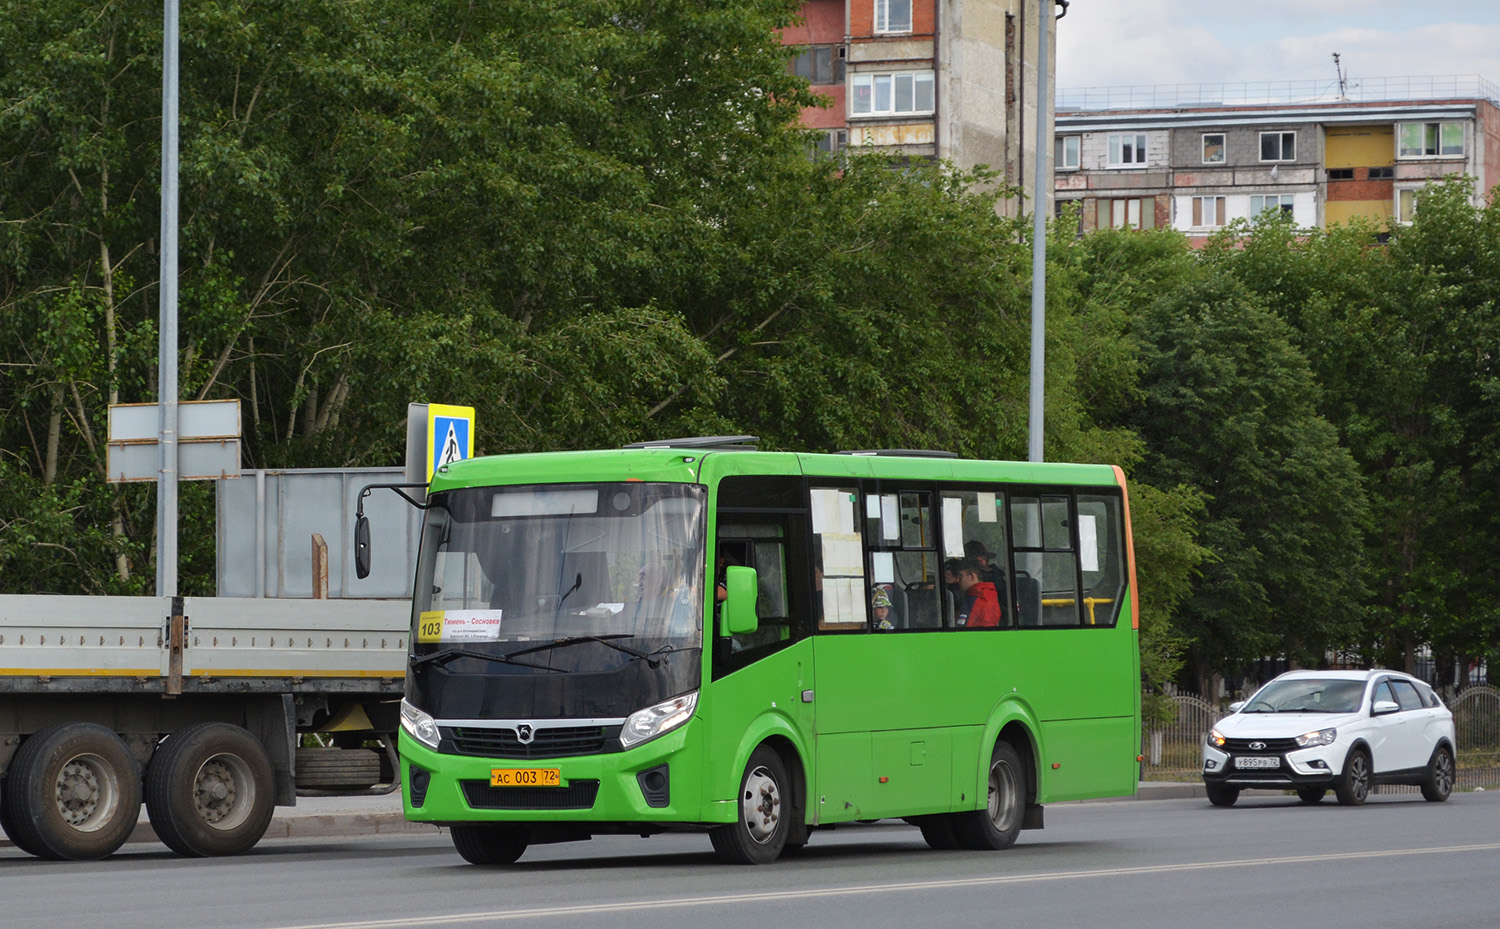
[(295, 823)]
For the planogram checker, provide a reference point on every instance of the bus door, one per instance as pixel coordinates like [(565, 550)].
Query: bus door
[(879, 751), (759, 679)]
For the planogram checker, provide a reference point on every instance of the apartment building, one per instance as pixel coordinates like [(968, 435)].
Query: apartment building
[(1178, 161), (928, 79)]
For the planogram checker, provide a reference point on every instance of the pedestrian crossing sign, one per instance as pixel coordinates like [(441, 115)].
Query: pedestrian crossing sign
[(450, 435)]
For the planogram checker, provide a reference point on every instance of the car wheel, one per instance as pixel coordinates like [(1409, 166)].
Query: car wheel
[(1439, 775), (1353, 785), (1222, 796), (1311, 794)]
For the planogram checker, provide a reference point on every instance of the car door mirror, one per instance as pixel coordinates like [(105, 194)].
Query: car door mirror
[(1383, 707), (1236, 706), (740, 589)]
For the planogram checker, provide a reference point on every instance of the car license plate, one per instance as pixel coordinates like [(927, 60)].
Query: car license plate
[(525, 777), (1254, 761)]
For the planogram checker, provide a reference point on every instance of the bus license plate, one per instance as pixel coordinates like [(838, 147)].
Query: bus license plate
[(1258, 762), (525, 777)]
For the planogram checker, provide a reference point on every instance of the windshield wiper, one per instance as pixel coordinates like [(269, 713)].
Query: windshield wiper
[(446, 655), (601, 639)]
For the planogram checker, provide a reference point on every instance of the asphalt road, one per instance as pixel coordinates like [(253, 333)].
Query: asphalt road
[(1269, 861)]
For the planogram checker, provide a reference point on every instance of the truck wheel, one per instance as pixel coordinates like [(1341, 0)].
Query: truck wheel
[(764, 802), (489, 845), (209, 790), (74, 791), (999, 823), (337, 768)]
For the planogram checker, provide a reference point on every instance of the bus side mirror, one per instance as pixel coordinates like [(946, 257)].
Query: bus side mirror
[(740, 589), (362, 546)]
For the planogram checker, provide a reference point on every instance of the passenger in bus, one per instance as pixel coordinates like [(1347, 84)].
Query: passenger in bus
[(979, 552), (880, 607), (979, 607)]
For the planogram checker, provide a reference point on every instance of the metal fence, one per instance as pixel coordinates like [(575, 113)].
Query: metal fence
[(1174, 752)]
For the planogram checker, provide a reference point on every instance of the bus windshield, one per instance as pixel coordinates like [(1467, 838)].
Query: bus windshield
[(577, 577)]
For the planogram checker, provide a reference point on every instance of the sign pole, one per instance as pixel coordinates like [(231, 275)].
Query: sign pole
[(166, 497)]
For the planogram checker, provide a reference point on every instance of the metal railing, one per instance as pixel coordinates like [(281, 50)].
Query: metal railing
[(1174, 752), (1253, 93)]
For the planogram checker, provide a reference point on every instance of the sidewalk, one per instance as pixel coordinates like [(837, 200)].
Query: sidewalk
[(354, 816)]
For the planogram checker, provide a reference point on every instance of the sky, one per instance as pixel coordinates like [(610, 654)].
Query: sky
[(1103, 43)]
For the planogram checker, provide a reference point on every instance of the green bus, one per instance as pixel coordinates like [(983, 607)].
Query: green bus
[(694, 634)]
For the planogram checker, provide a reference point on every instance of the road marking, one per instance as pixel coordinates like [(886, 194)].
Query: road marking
[(864, 890)]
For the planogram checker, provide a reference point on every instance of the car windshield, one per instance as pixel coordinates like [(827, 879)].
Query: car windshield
[(1307, 695)]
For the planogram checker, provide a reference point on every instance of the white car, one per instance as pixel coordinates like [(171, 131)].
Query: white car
[(1309, 731)]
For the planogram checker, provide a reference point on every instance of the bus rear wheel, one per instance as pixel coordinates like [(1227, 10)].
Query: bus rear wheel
[(999, 823), (490, 845), (764, 803)]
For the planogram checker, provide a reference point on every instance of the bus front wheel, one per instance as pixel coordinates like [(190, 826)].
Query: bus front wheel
[(489, 845), (997, 825), (764, 804)]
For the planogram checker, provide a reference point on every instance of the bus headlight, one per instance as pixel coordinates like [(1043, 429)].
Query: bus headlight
[(419, 725), (655, 720)]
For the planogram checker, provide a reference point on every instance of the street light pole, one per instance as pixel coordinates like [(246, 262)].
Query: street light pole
[(1039, 239), (166, 393)]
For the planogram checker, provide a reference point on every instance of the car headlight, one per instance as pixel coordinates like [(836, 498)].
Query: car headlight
[(1314, 739), (419, 725), (1215, 738), (654, 720)]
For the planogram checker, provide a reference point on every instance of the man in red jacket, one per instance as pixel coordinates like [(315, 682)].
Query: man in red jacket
[(981, 602)]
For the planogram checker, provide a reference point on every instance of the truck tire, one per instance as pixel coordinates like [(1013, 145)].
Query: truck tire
[(74, 792), (337, 768), (210, 790)]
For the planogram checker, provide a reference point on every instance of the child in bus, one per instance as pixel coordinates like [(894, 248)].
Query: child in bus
[(880, 606)]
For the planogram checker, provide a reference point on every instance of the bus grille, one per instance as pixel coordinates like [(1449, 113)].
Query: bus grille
[(578, 795), (548, 742)]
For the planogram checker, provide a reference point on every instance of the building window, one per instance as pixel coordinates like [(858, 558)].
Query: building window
[(1341, 174), (1129, 213), (820, 64), (891, 94), (830, 141), (1208, 211), (1066, 156), (1264, 203), (1430, 140), (893, 15), (1278, 146), (1213, 148), (1127, 150), (1406, 205), (1385, 173)]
